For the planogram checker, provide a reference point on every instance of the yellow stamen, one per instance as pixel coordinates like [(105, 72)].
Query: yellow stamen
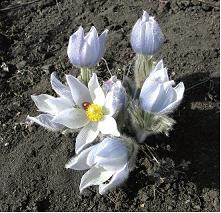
[(94, 112)]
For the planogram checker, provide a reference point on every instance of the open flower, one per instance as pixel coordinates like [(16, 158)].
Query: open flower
[(86, 51), (111, 159), (158, 94), (93, 112), (146, 35), (52, 106)]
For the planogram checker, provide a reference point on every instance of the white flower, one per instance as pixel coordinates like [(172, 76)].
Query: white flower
[(146, 35), (86, 51), (107, 160), (93, 112), (52, 106), (116, 93), (158, 94), (78, 106)]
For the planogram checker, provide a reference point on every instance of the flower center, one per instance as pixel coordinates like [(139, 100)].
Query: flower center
[(94, 112)]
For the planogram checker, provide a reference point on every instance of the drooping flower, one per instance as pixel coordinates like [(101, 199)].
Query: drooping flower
[(52, 106), (158, 94), (93, 111), (86, 51), (111, 159), (146, 35)]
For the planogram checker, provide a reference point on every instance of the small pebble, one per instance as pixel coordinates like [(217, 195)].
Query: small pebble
[(142, 205), (47, 68), (187, 201), (21, 64), (4, 67), (197, 207), (170, 208)]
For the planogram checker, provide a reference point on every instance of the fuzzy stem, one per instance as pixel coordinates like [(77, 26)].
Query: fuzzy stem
[(85, 75), (141, 135), (143, 67)]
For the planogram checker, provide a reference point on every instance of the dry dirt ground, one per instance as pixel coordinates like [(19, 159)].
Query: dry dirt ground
[(33, 43)]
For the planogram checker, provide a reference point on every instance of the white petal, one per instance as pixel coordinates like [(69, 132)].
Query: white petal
[(59, 104), (148, 41), (45, 120), (112, 163), (107, 85), (165, 97), (72, 118), (93, 44), (159, 65), (159, 73), (96, 91), (115, 99), (108, 126), (179, 89), (61, 89), (92, 155), (110, 105), (137, 37), (92, 38), (157, 34), (79, 91), (79, 162), (87, 56), (91, 159), (145, 16), (41, 104), (75, 45), (118, 178), (95, 176), (102, 42), (87, 135), (111, 154), (149, 94), (153, 37)]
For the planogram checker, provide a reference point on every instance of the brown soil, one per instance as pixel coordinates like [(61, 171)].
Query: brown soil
[(33, 43)]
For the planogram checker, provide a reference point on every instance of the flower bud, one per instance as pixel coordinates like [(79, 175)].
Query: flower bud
[(116, 94), (86, 51), (146, 35)]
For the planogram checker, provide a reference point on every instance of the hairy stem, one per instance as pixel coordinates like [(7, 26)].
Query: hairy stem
[(143, 67), (85, 75)]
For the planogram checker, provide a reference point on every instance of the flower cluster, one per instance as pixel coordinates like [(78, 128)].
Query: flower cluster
[(100, 114)]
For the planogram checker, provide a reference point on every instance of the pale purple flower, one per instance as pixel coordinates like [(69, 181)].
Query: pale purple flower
[(86, 51), (108, 160), (116, 94), (158, 94), (146, 35)]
